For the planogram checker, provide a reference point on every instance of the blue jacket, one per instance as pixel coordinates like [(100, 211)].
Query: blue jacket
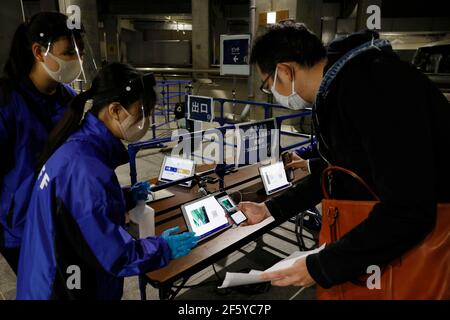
[(24, 130), (76, 218)]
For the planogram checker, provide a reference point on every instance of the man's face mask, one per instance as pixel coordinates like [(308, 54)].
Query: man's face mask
[(293, 101), (134, 127)]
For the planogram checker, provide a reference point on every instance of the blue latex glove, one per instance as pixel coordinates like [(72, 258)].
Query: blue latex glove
[(179, 244), (140, 191)]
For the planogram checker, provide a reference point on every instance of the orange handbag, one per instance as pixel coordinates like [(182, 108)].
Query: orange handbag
[(423, 272)]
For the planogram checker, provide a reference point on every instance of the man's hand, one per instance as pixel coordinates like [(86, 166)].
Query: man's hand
[(255, 212), (297, 275), (297, 163)]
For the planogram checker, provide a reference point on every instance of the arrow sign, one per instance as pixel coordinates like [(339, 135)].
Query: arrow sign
[(234, 51)]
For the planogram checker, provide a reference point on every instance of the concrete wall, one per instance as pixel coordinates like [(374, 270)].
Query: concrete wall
[(157, 47), (200, 36)]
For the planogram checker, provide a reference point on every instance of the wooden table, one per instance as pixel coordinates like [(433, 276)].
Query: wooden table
[(168, 214)]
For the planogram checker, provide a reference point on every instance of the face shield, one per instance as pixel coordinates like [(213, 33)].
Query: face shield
[(68, 59), (135, 126), (137, 97)]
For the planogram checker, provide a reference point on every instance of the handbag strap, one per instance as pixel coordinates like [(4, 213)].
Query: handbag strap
[(328, 171)]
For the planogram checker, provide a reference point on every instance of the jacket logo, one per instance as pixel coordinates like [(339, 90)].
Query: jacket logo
[(45, 179)]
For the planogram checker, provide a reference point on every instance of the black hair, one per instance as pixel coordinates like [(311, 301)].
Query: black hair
[(115, 82), (287, 41), (42, 28)]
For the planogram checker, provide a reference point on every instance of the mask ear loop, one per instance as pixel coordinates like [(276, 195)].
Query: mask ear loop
[(143, 118), (293, 80), (275, 77), (48, 49)]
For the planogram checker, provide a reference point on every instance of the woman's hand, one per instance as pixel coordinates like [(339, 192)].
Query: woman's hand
[(255, 212), (140, 191), (180, 244), (297, 275)]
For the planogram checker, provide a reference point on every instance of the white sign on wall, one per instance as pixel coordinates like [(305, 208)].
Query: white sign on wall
[(234, 54)]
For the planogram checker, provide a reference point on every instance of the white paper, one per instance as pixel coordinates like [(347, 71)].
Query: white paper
[(234, 279)]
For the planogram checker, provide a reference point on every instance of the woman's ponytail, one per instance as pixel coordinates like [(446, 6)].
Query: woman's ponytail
[(68, 124), (18, 65)]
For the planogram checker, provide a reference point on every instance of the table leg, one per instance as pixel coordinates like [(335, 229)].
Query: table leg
[(143, 286), (169, 292)]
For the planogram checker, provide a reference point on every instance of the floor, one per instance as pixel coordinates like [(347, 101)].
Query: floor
[(257, 255)]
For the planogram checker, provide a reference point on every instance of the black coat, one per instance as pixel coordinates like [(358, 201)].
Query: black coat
[(386, 121)]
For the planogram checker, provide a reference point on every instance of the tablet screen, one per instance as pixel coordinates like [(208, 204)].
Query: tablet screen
[(205, 216), (176, 168), (274, 177)]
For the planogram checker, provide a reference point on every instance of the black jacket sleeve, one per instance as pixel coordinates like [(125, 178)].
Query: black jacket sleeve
[(387, 104), (316, 166), (305, 195)]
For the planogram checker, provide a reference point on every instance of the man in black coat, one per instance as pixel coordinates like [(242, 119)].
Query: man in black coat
[(381, 118)]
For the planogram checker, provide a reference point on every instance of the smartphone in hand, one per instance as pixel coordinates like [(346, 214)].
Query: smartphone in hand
[(287, 158), (238, 217), (231, 209)]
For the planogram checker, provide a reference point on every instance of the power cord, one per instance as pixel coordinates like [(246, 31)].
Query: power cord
[(202, 284)]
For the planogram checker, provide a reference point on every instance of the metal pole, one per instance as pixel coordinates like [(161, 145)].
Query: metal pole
[(167, 102), (23, 10), (222, 120), (133, 172), (251, 92)]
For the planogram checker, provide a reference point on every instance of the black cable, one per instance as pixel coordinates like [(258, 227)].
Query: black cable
[(201, 284), (299, 227), (197, 285)]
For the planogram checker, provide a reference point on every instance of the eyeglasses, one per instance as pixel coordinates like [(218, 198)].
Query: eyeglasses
[(263, 85)]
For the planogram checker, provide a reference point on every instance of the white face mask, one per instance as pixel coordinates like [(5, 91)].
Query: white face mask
[(67, 72), (132, 129), (293, 101)]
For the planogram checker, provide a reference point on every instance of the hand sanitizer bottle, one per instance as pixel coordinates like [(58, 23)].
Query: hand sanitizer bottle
[(144, 216)]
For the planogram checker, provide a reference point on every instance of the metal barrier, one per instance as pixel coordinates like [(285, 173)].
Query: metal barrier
[(170, 90), (222, 120), (225, 124)]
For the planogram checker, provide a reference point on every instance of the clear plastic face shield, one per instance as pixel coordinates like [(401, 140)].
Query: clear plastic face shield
[(144, 87), (69, 59), (137, 99), (136, 126)]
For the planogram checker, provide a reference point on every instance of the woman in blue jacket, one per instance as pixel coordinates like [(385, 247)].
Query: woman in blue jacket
[(76, 220), (33, 97)]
